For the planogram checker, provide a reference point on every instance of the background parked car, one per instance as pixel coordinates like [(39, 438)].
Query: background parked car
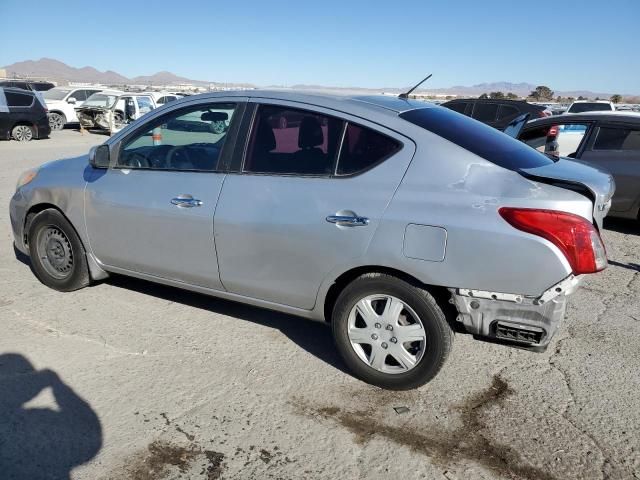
[(607, 140), (163, 97), (580, 106), (61, 102), (23, 115), (27, 85), (496, 113), (111, 110)]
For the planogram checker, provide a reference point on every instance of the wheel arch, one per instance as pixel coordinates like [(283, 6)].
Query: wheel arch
[(441, 294), (41, 207)]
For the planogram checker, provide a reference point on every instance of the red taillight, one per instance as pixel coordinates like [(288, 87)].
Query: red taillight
[(576, 238), (553, 131)]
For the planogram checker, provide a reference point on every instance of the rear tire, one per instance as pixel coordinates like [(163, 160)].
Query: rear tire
[(401, 341), (22, 133), (57, 121), (57, 256)]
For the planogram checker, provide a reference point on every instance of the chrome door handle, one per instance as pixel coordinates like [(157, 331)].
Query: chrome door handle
[(348, 221), (186, 201)]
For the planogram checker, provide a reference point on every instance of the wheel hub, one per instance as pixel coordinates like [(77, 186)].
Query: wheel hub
[(54, 250), (386, 333)]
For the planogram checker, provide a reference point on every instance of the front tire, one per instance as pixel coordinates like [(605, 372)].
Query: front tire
[(57, 256), (390, 333)]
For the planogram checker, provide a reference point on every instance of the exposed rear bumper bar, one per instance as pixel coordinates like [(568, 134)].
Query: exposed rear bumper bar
[(511, 318)]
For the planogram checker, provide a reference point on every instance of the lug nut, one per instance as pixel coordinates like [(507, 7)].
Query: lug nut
[(384, 345), (374, 336), (378, 325), (389, 327), (394, 340)]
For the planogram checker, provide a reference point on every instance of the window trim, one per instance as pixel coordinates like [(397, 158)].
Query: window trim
[(229, 143), (258, 102)]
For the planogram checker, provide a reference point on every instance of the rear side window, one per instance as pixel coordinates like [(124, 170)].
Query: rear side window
[(363, 148), (615, 138), (79, 95), (18, 99), (485, 112), (480, 139), (458, 107), (290, 141)]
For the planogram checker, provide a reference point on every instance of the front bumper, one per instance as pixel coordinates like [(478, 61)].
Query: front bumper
[(514, 319), (17, 212)]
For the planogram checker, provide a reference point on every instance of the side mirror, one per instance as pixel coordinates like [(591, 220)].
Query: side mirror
[(71, 100), (99, 156)]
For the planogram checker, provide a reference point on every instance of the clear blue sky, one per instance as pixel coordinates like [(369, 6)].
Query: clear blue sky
[(564, 44)]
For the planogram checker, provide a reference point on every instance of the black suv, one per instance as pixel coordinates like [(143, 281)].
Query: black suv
[(27, 85), (23, 115), (494, 112)]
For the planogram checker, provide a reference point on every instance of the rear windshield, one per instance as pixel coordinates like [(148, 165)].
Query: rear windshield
[(589, 107), (478, 138)]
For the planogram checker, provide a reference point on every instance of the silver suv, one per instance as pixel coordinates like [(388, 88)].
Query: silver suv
[(395, 221)]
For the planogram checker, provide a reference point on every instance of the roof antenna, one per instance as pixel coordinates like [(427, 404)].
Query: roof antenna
[(406, 95)]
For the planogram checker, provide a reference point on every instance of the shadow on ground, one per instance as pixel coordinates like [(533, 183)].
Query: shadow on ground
[(314, 337), (37, 442)]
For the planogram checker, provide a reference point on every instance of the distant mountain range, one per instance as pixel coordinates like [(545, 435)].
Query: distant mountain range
[(62, 73)]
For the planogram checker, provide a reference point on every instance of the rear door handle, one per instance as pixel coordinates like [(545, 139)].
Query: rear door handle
[(186, 201), (348, 220)]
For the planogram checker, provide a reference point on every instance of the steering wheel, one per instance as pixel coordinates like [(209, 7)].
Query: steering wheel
[(177, 157), (137, 160)]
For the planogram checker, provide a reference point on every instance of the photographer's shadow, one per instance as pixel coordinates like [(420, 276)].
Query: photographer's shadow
[(42, 443)]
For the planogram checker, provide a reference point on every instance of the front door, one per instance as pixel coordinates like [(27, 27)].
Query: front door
[(152, 212), (295, 211), (616, 149)]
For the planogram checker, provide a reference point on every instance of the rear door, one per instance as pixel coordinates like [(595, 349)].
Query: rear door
[(615, 147), (306, 198), (152, 211)]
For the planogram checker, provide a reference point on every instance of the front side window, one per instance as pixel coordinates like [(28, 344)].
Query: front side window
[(18, 99), (284, 140), (55, 94), (79, 95), (144, 104), (617, 138), (188, 139)]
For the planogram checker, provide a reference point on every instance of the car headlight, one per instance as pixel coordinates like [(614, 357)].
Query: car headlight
[(27, 177)]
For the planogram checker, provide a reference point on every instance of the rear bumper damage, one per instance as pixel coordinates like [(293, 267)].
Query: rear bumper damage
[(514, 319)]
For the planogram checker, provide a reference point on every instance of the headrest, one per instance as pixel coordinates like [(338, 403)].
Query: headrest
[(310, 134), (214, 116), (265, 138)]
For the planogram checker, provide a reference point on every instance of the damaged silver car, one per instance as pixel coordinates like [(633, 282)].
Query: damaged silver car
[(395, 221), (112, 110)]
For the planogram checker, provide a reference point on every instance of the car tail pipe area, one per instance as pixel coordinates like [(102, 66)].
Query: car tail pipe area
[(529, 322)]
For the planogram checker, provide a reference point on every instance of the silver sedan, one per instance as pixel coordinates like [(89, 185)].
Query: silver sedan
[(395, 221)]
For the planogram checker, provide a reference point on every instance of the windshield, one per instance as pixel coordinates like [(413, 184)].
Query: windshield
[(478, 138), (55, 94), (100, 100), (589, 107)]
